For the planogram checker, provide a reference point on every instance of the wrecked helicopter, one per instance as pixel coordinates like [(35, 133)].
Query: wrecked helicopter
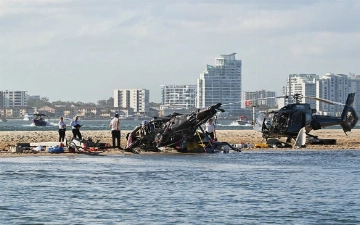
[(177, 131)]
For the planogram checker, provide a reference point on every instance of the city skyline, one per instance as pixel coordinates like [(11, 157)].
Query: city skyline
[(83, 50)]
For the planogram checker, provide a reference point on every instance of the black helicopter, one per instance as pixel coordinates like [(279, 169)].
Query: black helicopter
[(178, 131), (290, 119)]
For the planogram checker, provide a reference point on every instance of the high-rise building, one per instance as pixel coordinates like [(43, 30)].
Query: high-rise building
[(13, 99), (355, 88), (182, 96), (304, 84), (258, 98), (136, 99), (221, 83), (333, 87), (1, 99)]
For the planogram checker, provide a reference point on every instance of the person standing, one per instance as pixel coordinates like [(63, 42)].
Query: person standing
[(75, 125), (210, 129), (62, 129), (115, 131)]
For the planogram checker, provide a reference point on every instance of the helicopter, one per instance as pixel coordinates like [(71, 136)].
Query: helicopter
[(299, 117), (177, 131)]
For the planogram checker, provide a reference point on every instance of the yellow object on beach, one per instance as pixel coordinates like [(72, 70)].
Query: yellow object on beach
[(261, 145), (194, 147)]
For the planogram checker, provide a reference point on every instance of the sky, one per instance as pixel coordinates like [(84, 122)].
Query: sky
[(81, 50)]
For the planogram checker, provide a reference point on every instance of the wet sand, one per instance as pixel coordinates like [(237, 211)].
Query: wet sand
[(349, 141)]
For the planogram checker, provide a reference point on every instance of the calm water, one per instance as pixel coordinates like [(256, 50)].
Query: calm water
[(260, 187), (21, 125)]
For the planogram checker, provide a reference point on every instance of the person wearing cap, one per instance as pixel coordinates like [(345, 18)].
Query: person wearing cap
[(115, 131)]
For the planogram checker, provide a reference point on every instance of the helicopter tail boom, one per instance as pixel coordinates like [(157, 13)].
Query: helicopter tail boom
[(349, 117)]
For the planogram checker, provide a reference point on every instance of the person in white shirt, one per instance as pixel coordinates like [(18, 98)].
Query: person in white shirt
[(75, 125), (62, 129), (210, 129), (115, 131)]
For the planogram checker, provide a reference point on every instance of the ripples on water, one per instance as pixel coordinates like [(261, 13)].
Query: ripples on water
[(261, 187), (21, 125)]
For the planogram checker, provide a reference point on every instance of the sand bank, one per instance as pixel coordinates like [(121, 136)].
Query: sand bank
[(349, 141)]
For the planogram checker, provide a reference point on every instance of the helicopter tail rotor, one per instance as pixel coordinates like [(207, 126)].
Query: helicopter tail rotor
[(349, 117)]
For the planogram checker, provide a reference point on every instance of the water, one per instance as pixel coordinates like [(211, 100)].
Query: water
[(254, 187), (21, 125)]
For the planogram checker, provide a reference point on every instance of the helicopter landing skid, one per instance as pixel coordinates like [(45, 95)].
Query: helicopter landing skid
[(314, 140), (313, 136)]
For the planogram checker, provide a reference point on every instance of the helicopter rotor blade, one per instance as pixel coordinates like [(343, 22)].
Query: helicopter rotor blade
[(251, 100), (324, 100), (283, 96)]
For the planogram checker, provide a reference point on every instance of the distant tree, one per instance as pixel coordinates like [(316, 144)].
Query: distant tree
[(44, 99), (106, 103), (79, 103), (153, 104), (38, 103), (110, 102), (101, 103)]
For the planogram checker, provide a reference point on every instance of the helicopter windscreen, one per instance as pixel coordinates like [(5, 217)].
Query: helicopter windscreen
[(259, 122), (264, 121)]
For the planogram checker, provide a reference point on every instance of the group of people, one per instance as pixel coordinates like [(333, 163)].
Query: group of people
[(115, 130), (75, 125), (75, 128)]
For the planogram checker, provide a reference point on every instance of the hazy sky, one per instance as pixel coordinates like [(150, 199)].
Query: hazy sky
[(81, 50)]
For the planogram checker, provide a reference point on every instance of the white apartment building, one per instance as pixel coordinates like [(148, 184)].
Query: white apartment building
[(136, 99), (258, 98), (182, 96), (355, 88), (13, 99), (221, 83), (304, 84), (1, 100), (333, 87)]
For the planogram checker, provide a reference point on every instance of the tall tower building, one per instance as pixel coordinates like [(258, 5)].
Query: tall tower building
[(304, 84), (221, 83), (355, 88), (1, 99), (136, 99), (333, 87), (182, 96)]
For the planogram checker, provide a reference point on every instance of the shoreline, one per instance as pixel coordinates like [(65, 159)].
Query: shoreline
[(351, 141)]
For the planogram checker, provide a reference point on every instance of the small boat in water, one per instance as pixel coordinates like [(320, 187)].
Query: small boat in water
[(2, 119), (40, 119), (243, 121)]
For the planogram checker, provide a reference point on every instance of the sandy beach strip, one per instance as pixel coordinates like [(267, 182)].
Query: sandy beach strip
[(349, 141)]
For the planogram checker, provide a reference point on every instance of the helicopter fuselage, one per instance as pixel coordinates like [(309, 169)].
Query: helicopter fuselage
[(287, 121)]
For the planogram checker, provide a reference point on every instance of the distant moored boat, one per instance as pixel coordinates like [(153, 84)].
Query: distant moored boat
[(243, 121)]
